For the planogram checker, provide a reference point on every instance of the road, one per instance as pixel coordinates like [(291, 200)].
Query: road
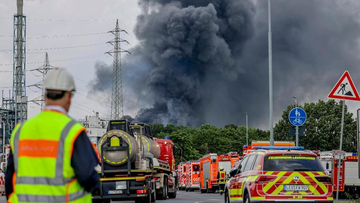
[(186, 197), (182, 197)]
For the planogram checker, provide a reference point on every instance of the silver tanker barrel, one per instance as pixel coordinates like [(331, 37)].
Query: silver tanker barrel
[(151, 146), (118, 148), (114, 157)]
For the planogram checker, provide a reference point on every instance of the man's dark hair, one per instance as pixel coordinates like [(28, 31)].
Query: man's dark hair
[(55, 95)]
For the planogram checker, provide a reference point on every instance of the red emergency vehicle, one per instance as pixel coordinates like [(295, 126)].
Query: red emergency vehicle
[(193, 176), (209, 168), (279, 175), (255, 143)]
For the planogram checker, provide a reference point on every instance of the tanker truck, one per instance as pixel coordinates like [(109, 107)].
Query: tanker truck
[(134, 165)]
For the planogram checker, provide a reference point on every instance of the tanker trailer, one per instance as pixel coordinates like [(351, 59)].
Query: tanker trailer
[(163, 157), (129, 162), (124, 174)]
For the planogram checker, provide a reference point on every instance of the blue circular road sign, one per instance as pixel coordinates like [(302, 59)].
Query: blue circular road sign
[(297, 116)]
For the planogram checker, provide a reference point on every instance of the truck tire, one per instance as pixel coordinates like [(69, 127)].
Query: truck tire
[(153, 194), (172, 195), (162, 195)]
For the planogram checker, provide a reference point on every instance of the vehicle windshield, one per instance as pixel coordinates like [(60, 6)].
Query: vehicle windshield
[(196, 168), (292, 163)]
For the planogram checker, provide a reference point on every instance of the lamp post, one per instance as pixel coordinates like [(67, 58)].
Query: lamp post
[(270, 78), (247, 129)]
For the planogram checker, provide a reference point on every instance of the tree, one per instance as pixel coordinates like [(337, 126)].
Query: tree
[(322, 127)]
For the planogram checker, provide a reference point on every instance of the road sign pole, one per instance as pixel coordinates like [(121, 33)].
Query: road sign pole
[(341, 139), (358, 143), (297, 135)]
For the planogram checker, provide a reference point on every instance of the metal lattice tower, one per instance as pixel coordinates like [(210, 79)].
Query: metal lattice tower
[(43, 70), (19, 70), (117, 106)]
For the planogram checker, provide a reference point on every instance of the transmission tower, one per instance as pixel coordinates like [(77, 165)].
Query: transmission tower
[(43, 70), (117, 108), (19, 47)]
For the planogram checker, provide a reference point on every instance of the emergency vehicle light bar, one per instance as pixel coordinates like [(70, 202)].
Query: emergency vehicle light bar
[(280, 148)]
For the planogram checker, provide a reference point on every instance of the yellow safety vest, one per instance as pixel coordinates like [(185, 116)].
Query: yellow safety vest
[(222, 177), (42, 149)]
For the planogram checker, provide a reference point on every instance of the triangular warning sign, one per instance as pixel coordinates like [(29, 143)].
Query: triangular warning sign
[(345, 89)]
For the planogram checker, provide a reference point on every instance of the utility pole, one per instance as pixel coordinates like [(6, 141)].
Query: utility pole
[(296, 127), (270, 78), (247, 130), (43, 70), (19, 70), (117, 103)]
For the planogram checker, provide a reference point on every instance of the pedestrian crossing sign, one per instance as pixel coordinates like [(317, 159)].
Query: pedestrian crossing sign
[(345, 89)]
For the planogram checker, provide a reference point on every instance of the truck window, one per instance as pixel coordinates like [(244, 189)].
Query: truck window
[(226, 165), (292, 163), (196, 168)]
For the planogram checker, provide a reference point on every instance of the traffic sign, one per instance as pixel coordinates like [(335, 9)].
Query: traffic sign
[(345, 89), (297, 116)]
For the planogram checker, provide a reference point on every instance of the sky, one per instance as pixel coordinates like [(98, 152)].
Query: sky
[(192, 62), (87, 21)]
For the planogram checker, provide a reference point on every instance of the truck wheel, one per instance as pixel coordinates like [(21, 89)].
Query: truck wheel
[(172, 195), (162, 193), (153, 195)]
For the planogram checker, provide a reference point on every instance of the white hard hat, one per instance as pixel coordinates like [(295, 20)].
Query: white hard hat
[(59, 79), (221, 168)]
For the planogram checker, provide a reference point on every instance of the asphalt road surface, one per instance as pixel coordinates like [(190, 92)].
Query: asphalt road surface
[(182, 197), (186, 197)]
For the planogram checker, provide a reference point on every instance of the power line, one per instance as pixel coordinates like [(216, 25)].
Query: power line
[(54, 48), (64, 20), (57, 60), (58, 36)]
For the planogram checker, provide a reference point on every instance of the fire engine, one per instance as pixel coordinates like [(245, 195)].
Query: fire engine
[(209, 168), (255, 143), (182, 174), (349, 181), (192, 181)]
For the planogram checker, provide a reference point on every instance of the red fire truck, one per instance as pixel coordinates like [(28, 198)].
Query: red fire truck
[(192, 181), (209, 168)]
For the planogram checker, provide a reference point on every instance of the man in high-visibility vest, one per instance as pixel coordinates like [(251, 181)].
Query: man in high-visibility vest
[(51, 157), (221, 178)]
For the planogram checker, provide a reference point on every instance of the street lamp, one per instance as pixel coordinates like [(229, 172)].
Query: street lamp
[(270, 78), (247, 129)]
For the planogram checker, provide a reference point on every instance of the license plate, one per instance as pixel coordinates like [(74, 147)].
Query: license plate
[(115, 192), (296, 187), (121, 185)]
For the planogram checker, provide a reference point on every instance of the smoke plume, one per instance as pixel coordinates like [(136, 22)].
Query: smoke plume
[(206, 61)]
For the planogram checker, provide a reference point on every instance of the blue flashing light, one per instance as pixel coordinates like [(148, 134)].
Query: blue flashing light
[(245, 146), (280, 148), (354, 154), (166, 137)]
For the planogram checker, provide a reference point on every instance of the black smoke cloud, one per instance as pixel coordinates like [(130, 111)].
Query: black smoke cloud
[(207, 60)]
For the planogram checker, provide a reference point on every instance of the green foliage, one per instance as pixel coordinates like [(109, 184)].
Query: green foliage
[(196, 142), (322, 127)]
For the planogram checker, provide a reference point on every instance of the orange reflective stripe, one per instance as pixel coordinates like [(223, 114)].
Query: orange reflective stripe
[(73, 141), (38, 148)]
